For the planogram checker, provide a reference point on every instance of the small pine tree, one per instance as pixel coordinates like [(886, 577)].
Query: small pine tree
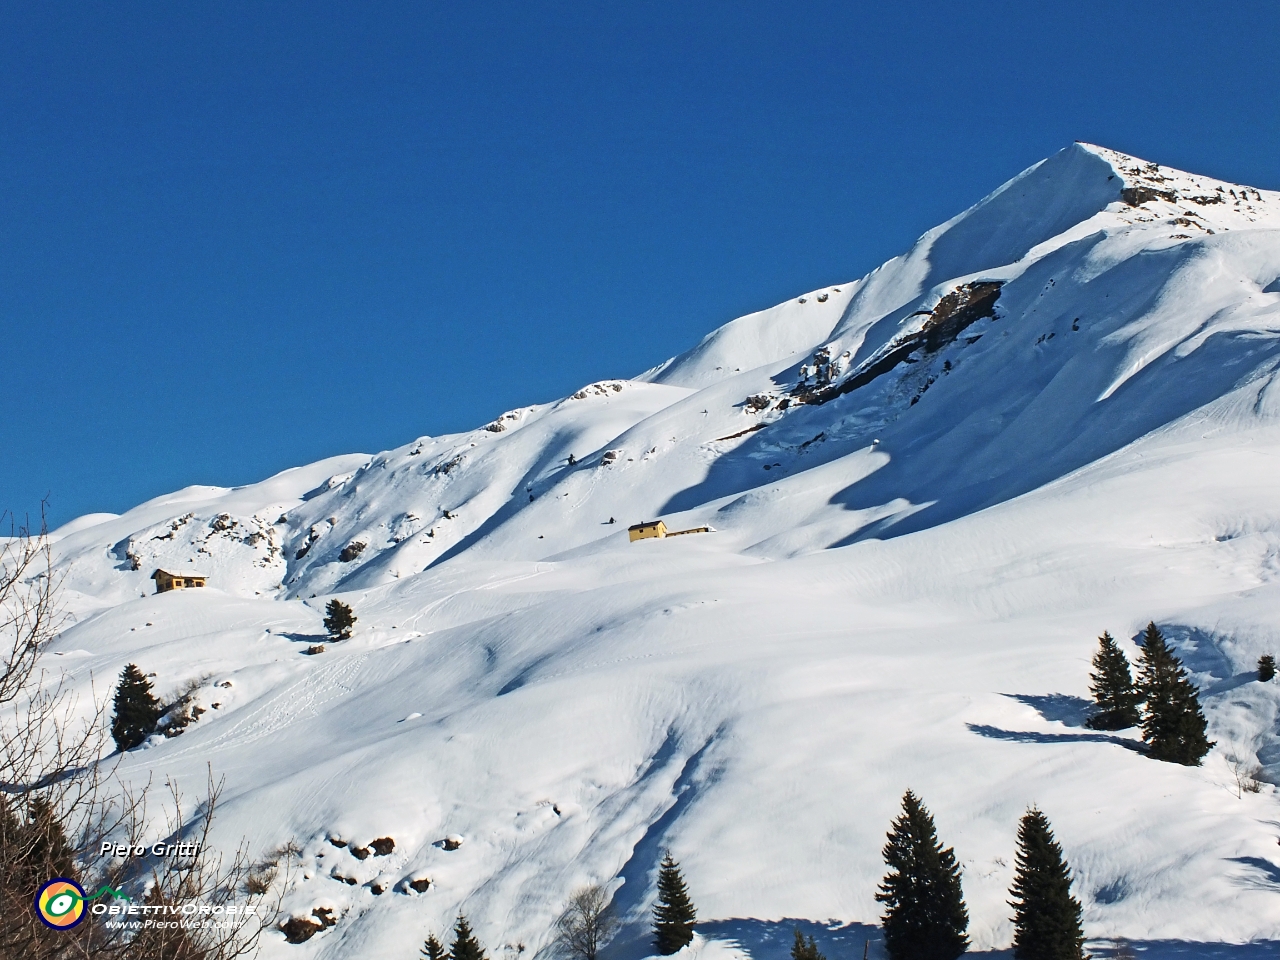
[(136, 710), (673, 915), (925, 916), (33, 849), (1173, 724), (48, 843), (805, 951), (1266, 667), (339, 620), (17, 874), (465, 945), (433, 949), (1112, 687), (1046, 918), (10, 825)]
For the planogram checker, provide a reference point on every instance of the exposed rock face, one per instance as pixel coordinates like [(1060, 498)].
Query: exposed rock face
[(957, 310), (302, 929)]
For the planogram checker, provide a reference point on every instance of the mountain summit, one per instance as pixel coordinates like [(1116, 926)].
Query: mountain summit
[(928, 490)]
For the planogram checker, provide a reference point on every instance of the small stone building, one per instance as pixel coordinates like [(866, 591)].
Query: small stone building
[(653, 528), (166, 581), (656, 528)]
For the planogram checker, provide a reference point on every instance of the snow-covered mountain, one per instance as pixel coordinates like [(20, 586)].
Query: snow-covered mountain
[(931, 489)]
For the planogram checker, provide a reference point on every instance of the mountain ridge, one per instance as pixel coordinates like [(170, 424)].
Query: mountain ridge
[(931, 489)]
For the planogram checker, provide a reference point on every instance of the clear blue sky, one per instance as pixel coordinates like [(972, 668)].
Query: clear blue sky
[(236, 237)]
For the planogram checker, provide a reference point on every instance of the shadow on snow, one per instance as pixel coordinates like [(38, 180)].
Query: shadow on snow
[(1033, 736), (1056, 707)]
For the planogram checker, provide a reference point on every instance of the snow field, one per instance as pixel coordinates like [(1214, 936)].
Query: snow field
[(908, 596)]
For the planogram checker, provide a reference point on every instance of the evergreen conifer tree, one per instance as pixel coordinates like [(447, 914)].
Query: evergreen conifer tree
[(10, 825), (1173, 725), (48, 843), (1046, 918), (32, 849), (1266, 667), (925, 916), (805, 951), (465, 945), (136, 710), (1112, 687), (433, 949), (673, 915), (339, 619)]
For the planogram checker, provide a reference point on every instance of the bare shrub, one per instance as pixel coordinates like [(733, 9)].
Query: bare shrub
[(260, 879), (204, 877), (264, 873), (181, 709), (1246, 771), (1248, 778), (587, 924)]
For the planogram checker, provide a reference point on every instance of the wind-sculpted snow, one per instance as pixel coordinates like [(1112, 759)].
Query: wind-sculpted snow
[(930, 490), (757, 340)]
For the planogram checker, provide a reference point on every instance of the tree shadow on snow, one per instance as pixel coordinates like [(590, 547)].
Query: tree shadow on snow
[(1202, 652), (1056, 707), (305, 637), (1199, 650), (1032, 736), (1182, 949), (1263, 874), (772, 939), (1229, 683)]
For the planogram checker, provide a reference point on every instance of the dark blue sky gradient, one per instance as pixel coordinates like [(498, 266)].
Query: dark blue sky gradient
[(236, 237)]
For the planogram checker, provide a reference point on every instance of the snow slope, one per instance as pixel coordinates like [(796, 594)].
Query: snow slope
[(931, 489)]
